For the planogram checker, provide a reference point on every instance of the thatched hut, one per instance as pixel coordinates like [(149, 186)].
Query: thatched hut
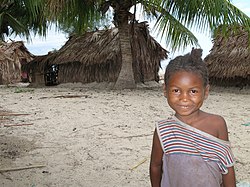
[(229, 60), (12, 56), (96, 57)]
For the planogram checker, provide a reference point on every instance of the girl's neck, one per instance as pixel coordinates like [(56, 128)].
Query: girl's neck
[(191, 119)]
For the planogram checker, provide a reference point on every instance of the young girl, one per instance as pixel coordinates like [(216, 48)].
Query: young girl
[(191, 148)]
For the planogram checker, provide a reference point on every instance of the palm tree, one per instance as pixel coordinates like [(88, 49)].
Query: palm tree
[(174, 18), (22, 16)]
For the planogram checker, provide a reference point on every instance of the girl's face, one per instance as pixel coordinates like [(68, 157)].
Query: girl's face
[(185, 93)]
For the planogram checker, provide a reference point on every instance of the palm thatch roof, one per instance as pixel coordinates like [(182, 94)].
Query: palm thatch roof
[(96, 56), (12, 56), (229, 59)]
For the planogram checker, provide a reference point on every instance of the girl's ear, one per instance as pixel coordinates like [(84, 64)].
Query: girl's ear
[(164, 89), (207, 91)]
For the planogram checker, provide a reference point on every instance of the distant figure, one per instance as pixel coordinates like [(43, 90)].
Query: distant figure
[(191, 148), (51, 75)]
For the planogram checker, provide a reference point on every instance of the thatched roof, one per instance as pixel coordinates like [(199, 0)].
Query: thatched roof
[(101, 50), (230, 57), (12, 56)]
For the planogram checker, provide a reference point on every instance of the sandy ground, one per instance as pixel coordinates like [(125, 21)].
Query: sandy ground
[(77, 136)]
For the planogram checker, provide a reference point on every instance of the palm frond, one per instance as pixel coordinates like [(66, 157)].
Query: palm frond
[(176, 35), (177, 18), (13, 23), (81, 15), (23, 16)]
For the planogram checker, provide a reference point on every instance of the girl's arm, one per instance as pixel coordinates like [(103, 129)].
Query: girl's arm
[(229, 178), (156, 162)]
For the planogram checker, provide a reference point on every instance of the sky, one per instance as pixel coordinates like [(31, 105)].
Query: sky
[(55, 40)]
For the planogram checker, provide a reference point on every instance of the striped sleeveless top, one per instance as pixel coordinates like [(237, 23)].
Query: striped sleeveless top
[(179, 138)]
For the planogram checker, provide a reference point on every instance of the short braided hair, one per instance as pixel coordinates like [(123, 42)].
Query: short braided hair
[(191, 62)]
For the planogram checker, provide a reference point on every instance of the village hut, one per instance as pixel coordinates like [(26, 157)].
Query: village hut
[(229, 59), (96, 57), (12, 56)]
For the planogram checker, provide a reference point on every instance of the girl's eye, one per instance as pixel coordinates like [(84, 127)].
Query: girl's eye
[(194, 91), (175, 90)]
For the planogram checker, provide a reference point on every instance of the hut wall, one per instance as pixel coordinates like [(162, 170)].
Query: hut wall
[(152, 74), (77, 72), (232, 81), (10, 72), (145, 72), (36, 76)]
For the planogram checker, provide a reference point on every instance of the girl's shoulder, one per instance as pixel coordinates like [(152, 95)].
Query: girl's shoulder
[(218, 123), (215, 118)]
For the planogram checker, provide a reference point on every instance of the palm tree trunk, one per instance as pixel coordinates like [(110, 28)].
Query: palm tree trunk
[(126, 76)]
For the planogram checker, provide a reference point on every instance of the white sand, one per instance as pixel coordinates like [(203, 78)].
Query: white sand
[(92, 138)]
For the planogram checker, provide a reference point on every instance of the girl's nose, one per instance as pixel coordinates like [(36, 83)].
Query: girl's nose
[(184, 97)]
